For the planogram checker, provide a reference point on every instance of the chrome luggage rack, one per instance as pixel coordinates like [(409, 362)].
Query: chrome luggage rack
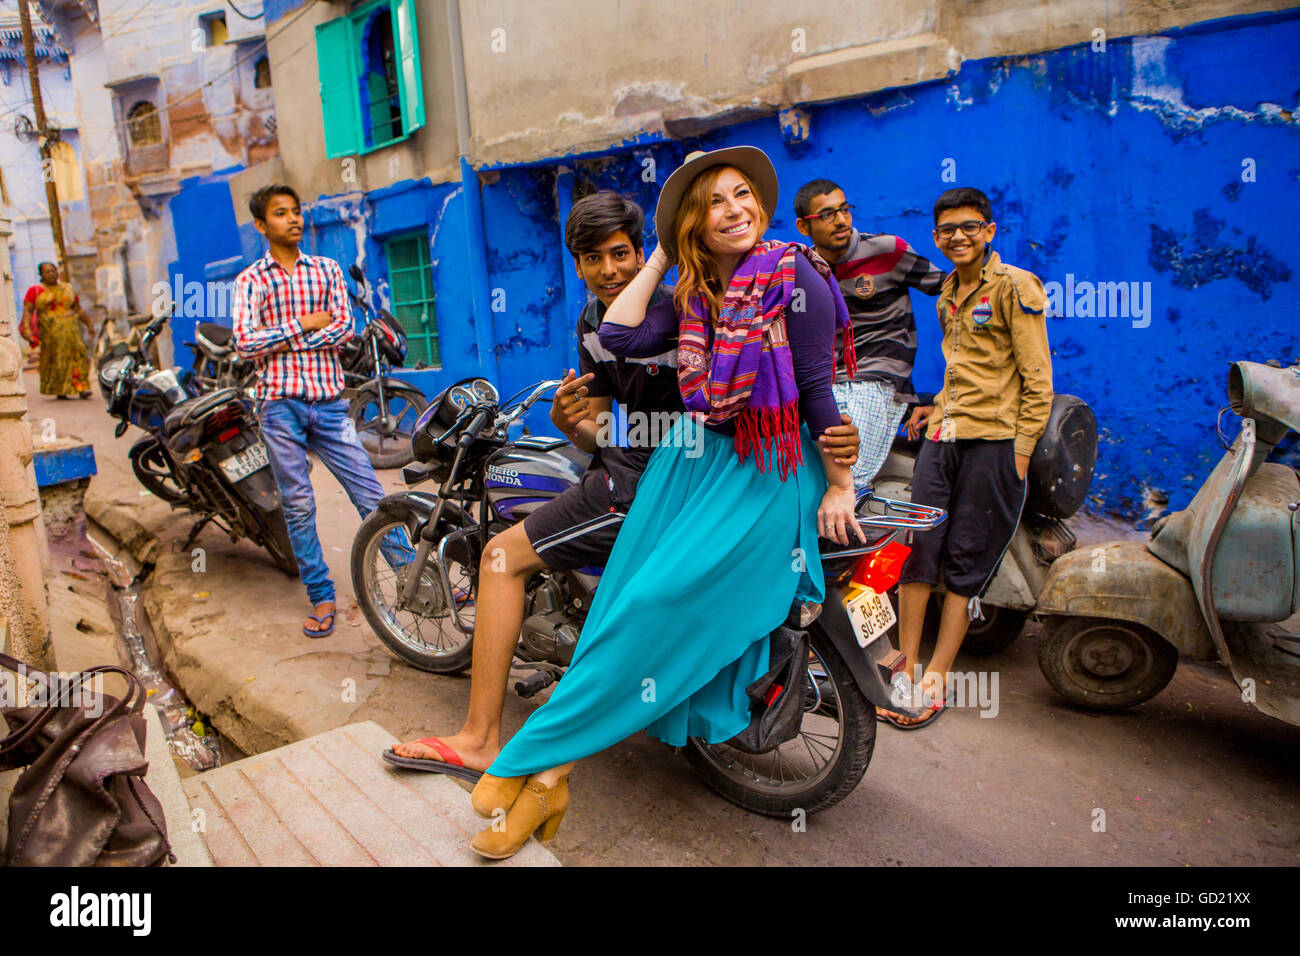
[(888, 515), (899, 515)]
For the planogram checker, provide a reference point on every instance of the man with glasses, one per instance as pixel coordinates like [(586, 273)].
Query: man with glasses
[(875, 272), (988, 417)]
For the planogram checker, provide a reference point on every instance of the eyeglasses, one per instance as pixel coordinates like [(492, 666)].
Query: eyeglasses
[(828, 215), (970, 227)]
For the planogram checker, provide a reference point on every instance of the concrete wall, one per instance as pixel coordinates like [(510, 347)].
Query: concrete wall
[(429, 152), (212, 117), (551, 77), (1168, 161)]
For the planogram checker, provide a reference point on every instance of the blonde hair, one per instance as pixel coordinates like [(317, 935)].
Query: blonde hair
[(697, 269)]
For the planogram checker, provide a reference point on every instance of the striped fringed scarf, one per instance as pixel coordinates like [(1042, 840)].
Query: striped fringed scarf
[(748, 374)]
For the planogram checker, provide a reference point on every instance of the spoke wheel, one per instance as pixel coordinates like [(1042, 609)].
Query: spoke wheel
[(421, 633), (815, 770)]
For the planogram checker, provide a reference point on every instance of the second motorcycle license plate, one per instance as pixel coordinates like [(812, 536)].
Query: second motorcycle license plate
[(243, 463), (871, 615)]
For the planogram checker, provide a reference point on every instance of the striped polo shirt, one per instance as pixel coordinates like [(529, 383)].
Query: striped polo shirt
[(875, 273)]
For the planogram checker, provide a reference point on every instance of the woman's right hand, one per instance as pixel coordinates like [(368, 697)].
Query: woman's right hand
[(837, 517)]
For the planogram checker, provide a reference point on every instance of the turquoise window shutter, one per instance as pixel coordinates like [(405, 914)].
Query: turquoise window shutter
[(339, 100), (409, 80)]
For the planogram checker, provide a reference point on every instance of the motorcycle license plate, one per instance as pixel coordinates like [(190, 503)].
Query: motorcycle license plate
[(871, 615), (243, 463)]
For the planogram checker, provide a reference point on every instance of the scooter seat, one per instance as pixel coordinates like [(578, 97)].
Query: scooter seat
[(217, 340), (191, 410)]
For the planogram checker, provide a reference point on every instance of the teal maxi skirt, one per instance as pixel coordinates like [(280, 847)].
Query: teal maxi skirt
[(710, 558)]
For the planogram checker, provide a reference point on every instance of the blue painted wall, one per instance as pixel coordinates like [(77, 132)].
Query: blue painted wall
[(1117, 166), (207, 250)]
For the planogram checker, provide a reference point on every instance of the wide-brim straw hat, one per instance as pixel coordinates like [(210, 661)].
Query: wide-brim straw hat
[(750, 160)]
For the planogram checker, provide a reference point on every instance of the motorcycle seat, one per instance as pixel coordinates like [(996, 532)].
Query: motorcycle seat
[(191, 410), (216, 340)]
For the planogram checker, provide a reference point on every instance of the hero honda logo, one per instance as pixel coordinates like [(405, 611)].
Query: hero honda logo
[(506, 476)]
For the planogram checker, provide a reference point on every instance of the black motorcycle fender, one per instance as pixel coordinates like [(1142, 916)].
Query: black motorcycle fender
[(260, 490), (867, 665), (419, 505), (390, 384)]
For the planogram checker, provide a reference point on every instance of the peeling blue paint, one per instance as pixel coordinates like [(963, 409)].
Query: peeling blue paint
[(1197, 260), (1107, 166)]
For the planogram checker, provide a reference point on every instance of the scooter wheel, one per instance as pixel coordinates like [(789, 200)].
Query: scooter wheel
[(1104, 664)]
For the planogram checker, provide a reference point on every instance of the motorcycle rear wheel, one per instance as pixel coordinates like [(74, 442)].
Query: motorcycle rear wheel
[(424, 637), (818, 768)]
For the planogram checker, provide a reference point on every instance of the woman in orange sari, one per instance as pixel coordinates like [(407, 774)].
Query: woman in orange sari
[(51, 311)]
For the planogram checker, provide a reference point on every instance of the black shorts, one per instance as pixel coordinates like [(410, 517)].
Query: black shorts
[(975, 481), (577, 528)]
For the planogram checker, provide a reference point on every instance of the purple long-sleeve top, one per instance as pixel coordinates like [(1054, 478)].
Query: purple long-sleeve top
[(811, 333)]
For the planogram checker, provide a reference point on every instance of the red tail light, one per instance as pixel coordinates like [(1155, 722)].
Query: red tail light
[(228, 434), (224, 415), (880, 570)]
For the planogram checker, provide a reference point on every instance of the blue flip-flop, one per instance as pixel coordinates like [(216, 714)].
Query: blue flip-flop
[(321, 620)]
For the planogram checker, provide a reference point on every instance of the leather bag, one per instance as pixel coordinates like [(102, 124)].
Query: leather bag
[(82, 801), (778, 698)]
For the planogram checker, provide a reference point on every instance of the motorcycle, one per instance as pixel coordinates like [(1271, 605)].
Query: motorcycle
[(382, 408), (1218, 579), (216, 363), (1060, 474), (203, 452), (415, 562)]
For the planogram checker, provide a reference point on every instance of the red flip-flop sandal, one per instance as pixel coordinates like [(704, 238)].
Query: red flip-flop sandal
[(450, 763)]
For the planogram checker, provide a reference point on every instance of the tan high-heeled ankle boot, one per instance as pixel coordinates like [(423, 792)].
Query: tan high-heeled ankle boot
[(495, 793), (538, 809)]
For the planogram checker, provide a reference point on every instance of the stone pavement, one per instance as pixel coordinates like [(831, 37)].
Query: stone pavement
[(1192, 777), (331, 801)]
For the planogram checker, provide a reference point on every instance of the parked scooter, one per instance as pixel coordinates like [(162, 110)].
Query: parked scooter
[(1060, 474), (203, 453), (383, 409), (1218, 579), (423, 607)]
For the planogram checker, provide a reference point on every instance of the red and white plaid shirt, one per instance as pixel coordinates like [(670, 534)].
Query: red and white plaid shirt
[(268, 303)]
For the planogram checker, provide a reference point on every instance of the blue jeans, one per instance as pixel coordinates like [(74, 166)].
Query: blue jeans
[(290, 429)]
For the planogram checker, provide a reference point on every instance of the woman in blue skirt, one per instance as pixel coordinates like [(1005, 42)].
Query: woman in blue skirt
[(722, 535)]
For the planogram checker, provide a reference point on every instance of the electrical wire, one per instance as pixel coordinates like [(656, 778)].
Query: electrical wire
[(231, 4), (139, 10)]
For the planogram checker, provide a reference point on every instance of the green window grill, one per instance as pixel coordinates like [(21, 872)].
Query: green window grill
[(410, 284)]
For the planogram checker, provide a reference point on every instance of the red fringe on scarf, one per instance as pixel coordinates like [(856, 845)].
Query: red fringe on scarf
[(850, 353), (770, 433)]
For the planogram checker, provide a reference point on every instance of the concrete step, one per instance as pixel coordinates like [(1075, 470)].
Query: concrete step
[(331, 800)]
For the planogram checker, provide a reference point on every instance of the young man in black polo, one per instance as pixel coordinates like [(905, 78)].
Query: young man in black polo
[(577, 529), (875, 272)]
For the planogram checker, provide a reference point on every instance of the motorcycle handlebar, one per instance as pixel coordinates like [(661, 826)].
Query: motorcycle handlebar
[(475, 426), (538, 390)]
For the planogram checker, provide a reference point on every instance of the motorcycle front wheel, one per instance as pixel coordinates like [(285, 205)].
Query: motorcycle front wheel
[(422, 633), (818, 768), (386, 434), (153, 469)]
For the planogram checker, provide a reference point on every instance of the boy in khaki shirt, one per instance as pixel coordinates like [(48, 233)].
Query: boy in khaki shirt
[(993, 408)]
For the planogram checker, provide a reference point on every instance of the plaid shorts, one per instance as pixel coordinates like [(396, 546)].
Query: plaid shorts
[(872, 408)]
